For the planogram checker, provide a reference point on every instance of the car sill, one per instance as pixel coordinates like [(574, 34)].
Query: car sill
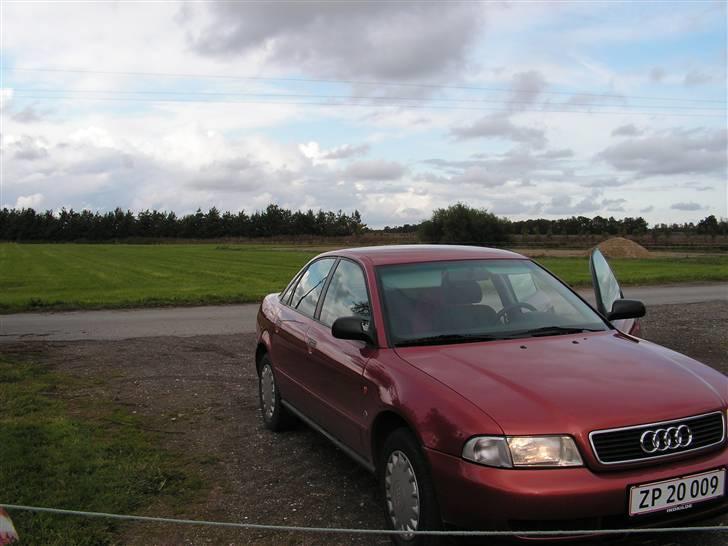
[(350, 452)]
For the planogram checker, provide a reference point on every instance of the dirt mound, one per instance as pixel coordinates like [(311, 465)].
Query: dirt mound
[(619, 247)]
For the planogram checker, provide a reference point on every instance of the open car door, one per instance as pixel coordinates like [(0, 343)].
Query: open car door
[(607, 291)]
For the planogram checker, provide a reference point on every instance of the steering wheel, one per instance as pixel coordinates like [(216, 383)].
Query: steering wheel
[(503, 314)]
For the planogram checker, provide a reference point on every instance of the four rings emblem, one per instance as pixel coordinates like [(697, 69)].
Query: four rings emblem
[(665, 439)]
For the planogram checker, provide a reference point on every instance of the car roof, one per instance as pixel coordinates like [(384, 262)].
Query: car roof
[(400, 254)]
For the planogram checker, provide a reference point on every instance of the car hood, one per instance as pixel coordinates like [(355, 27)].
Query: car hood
[(573, 383)]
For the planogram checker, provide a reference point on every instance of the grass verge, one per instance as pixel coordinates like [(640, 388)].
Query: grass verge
[(75, 276), (61, 449)]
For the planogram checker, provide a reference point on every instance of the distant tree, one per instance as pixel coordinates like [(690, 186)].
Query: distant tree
[(460, 223)]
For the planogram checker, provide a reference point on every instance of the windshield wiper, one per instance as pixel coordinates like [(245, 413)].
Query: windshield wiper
[(448, 338), (552, 331)]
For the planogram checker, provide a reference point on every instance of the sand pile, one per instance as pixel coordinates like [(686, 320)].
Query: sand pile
[(619, 247)]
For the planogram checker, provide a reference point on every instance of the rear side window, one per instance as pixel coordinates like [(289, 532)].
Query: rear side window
[(347, 294), (309, 287), (286, 296)]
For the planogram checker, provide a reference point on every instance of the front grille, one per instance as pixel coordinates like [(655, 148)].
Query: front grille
[(622, 445)]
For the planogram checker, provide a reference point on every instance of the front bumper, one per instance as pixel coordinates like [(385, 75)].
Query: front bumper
[(477, 497)]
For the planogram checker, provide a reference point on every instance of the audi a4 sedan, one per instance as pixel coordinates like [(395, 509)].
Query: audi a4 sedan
[(486, 394)]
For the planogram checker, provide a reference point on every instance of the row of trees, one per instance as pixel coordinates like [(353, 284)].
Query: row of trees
[(71, 225), (461, 223), (457, 223)]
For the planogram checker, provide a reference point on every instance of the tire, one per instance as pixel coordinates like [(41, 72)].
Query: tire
[(402, 465), (275, 416)]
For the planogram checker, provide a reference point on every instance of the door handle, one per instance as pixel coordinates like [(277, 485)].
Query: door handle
[(277, 325), (311, 342)]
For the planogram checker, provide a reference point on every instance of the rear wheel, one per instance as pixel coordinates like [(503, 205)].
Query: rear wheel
[(275, 416), (409, 496)]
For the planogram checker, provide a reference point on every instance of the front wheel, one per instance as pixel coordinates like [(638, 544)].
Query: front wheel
[(409, 496), (275, 416)]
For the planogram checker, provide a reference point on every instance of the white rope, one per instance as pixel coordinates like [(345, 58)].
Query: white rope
[(336, 530)]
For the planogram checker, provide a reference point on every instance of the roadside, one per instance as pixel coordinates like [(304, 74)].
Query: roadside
[(235, 319), (202, 393), (62, 443)]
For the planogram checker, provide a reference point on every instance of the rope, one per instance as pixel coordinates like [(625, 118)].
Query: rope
[(336, 530)]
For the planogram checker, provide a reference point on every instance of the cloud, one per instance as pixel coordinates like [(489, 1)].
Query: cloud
[(696, 77), (614, 205), (686, 206), (627, 130), (375, 169), (675, 152), (647, 209), (29, 201), (500, 126), (234, 175), (604, 183), (563, 153), (508, 205), (657, 74), (27, 148), (526, 88), (29, 114), (562, 204), (383, 40), (479, 176), (345, 152)]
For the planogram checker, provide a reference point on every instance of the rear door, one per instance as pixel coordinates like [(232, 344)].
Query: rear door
[(290, 351), (607, 291)]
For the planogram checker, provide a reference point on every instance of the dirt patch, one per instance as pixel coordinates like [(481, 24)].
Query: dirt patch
[(201, 395), (619, 247)]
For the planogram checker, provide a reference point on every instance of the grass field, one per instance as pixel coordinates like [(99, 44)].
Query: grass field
[(71, 276), (63, 450)]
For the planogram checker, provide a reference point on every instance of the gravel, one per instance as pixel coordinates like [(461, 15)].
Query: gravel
[(201, 394)]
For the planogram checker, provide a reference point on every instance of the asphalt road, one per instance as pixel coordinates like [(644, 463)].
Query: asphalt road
[(235, 319)]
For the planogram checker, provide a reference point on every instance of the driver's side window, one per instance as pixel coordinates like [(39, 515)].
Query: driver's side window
[(347, 294)]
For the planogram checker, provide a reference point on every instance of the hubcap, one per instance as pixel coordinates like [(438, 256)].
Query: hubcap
[(402, 493), (267, 391)]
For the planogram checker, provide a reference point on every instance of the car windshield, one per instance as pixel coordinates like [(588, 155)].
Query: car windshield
[(434, 303)]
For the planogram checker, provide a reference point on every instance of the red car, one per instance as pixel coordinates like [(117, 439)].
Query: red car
[(486, 394)]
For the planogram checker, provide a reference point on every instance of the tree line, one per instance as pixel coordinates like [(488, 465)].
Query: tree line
[(462, 223), (458, 223), (85, 225)]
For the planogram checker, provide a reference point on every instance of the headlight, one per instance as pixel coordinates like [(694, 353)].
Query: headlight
[(522, 451), (488, 450)]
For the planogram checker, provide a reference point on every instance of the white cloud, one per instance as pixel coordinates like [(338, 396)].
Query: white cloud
[(29, 201), (375, 170), (500, 126), (687, 206)]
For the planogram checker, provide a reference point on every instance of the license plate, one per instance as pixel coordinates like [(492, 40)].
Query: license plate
[(678, 494)]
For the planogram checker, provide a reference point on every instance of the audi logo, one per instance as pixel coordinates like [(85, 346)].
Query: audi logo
[(665, 439)]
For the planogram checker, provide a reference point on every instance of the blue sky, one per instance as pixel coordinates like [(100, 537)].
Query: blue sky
[(525, 108)]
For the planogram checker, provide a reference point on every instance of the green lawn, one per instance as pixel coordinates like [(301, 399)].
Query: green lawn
[(70, 276), (575, 271), (62, 450)]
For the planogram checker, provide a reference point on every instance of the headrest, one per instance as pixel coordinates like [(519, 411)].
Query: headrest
[(461, 292)]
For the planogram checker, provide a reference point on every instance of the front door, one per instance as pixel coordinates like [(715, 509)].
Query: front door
[(338, 364)]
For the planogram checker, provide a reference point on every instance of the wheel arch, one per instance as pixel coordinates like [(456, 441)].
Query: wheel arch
[(386, 422), (262, 349)]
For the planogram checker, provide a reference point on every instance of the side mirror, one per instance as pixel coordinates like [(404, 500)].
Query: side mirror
[(626, 309), (352, 328)]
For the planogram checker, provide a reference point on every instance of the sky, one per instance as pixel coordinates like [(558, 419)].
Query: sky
[(528, 109)]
